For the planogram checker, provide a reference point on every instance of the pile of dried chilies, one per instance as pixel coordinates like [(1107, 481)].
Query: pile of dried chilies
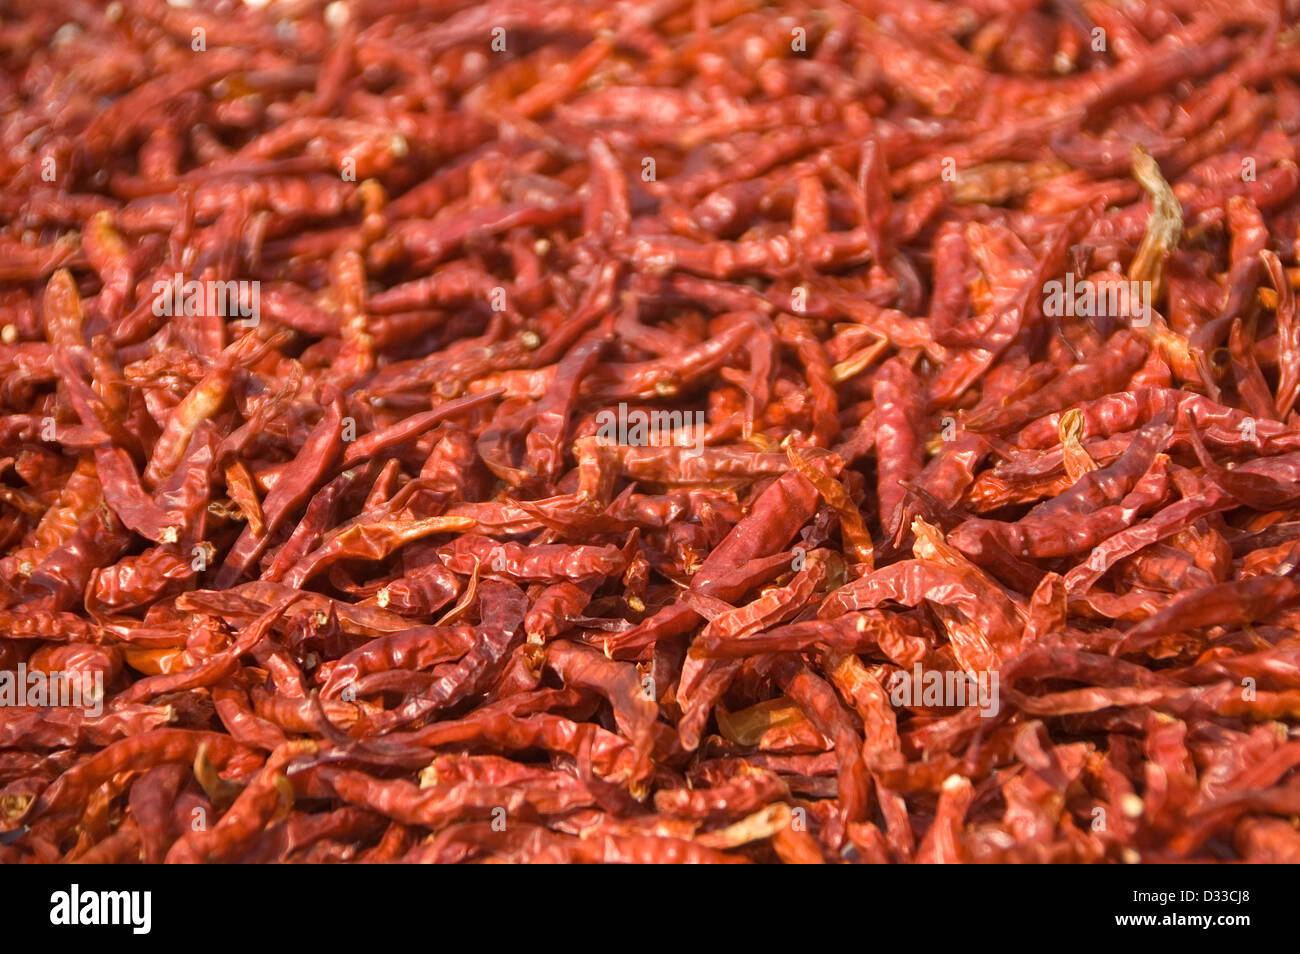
[(618, 409)]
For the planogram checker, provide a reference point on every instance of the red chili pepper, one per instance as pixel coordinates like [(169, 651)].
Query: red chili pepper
[(548, 433)]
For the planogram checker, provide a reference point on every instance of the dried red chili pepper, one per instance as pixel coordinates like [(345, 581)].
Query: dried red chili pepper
[(369, 569)]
